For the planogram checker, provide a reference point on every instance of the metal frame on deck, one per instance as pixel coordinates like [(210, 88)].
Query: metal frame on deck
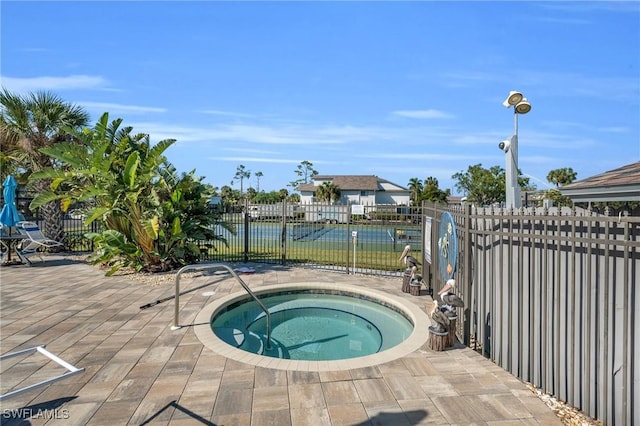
[(41, 349)]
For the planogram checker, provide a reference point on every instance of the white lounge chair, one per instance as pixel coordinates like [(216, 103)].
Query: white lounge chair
[(34, 241)]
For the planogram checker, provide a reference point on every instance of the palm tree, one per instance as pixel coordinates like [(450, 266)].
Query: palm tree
[(258, 175), (328, 191), (561, 177), (293, 198), (241, 175), (10, 157), (251, 193), (432, 191), (31, 123), (416, 188)]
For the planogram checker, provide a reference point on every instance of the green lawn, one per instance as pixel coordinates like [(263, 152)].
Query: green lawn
[(308, 252)]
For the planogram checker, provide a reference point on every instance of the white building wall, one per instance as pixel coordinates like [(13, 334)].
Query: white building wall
[(355, 197), (306, 197), (389, 194), (392, 198)]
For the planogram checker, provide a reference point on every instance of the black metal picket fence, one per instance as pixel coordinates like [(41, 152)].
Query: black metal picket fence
[(366, 239)]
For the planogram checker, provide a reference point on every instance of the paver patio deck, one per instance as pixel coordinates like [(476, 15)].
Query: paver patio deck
[(139, 371)]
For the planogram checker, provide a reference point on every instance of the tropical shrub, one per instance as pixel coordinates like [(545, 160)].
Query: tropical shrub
[(152, 219)]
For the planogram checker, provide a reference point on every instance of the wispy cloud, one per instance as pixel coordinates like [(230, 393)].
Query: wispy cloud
[(564, 21), (556, 141), (266, 135), (471, 76), (592, 6), (537, 181), (423, 114), (430, 157), (71, 82), (261, 160), (33, 49), (394, 145), (249, 150), (563, 124), (119, 108), (611, 88), (585, 127), (226, 113), (538, 159), (554, 84), (614, 129)]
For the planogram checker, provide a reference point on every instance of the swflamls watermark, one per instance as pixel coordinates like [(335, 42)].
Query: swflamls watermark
[(36, 413)]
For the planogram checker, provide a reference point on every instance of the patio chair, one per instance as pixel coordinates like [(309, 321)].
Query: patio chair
[(4, 247), (9, 238), (34, 241)]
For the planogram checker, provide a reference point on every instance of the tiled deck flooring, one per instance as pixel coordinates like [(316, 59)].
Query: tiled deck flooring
[(139, 371)]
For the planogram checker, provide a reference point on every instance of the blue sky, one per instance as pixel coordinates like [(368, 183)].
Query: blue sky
[(394, 89)]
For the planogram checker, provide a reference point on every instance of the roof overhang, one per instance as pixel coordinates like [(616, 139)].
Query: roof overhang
[(603, 193)]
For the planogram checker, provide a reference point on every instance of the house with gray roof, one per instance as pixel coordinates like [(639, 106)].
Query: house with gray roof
[(621, 184), (358, 189)]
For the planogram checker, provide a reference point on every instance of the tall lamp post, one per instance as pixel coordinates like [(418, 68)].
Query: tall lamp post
[(520, 105)]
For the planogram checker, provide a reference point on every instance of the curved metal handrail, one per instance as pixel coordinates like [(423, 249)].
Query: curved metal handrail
[(205, 266)]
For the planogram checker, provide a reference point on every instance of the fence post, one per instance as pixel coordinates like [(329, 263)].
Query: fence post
[(426, 246), (246, 230), (94, 228), (283, 234), (348, 240), (434, 244), (467, 277)]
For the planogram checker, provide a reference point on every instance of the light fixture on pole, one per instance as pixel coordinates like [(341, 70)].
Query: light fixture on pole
[(513, 99), (520, 105)]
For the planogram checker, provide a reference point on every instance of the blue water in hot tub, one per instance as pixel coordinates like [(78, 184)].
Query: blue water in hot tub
[(312, 326)]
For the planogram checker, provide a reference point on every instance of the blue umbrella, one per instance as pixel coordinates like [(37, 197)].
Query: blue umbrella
[(9, 215)]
